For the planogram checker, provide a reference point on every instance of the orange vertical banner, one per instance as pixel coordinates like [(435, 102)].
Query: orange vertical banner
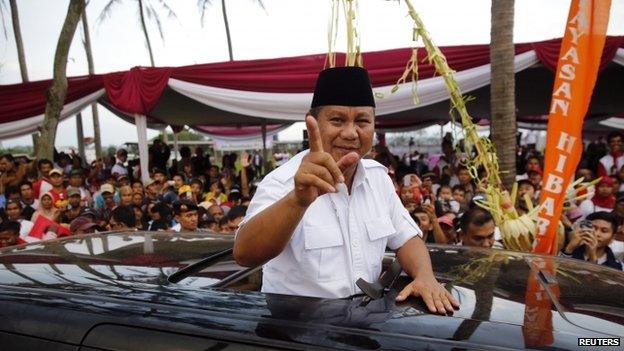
[(579, 59)]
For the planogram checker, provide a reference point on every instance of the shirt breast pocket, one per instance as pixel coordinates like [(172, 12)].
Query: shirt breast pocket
[(378, 230), (324, 258)]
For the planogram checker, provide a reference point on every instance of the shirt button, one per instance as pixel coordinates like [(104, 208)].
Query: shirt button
[(354, 243)]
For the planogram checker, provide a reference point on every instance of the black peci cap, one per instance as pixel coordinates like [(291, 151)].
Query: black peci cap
[(343, 86)]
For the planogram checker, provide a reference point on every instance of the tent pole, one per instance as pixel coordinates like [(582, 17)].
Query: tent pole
[(80, 135), (141, 124), (176, 148), (265, 161)]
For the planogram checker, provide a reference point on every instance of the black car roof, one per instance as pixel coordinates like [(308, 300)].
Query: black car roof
[(491, 285)]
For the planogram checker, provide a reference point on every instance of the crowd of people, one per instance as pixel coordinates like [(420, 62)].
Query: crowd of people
[(45, 199), (441, 196)]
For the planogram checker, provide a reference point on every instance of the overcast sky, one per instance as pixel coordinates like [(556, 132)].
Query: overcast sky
[(283, 28)]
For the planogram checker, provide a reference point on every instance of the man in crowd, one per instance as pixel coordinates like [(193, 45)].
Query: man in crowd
[(9, 233), (58, 192), (43, 185), (122, 218), (186, 215), (27, 198), (477, 228), (76, 180), (10, 172), (120, 163), (610, 164), (14, 213), (592, 244), (299, 209)]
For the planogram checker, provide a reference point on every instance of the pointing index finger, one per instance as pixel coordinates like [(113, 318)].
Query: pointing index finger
[(314, 135)]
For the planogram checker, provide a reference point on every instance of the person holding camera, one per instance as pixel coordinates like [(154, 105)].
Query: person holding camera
[(591, 238)]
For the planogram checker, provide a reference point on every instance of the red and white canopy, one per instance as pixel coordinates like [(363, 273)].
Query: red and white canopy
[(278, 91)]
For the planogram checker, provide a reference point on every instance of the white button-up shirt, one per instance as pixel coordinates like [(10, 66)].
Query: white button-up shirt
[(341, 237)]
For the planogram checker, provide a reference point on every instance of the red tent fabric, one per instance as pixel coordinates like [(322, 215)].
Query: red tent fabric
[(140, 89)]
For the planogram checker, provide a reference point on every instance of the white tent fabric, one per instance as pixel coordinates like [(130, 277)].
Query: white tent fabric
[(291, 107), (30, 125)]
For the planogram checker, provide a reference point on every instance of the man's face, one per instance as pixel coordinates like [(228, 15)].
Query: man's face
[(425, 222), (459, 195), (482, 236), (137, 199), (108, 198), (604, 232), (615, 143), (45, 169), (5, 165), (463, 176), (407, 195), (153, 189), (216, 212), (13, 211), (122, 155), (56, 180), (188, 220), (526, 189), (74, 201), (234, 223), (532, 164), (75, 180), (161, 178), (137, 187), (8, 238), (213, 172), (196, 189), (346, 129), (535, 178), (178, 181), (26, 192), (446, 193)]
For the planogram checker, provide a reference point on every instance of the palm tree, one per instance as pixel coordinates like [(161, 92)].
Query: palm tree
[(94, 109), (146, 9), (55, 96), (19, 43), (18, 37), (502, 88), (203, 4)]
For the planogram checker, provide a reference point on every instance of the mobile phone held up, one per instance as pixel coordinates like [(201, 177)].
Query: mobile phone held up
[(586, 225)]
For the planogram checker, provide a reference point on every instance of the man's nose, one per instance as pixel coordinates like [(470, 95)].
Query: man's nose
[(349, 132)]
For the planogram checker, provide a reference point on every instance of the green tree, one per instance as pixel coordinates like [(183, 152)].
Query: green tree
[(145, 9), (502, 89), (203, 4)]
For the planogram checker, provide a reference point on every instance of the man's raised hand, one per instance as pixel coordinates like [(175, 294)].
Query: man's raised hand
[(319, 173)]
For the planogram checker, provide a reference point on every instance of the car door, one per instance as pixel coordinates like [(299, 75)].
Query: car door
[(114, 337)]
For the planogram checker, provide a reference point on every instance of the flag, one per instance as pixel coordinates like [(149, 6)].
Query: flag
[(579, 60)]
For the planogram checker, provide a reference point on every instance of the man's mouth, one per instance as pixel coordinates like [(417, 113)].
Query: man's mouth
[(346, 149)]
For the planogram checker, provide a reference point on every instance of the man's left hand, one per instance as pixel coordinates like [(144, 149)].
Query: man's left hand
[(436, 297)]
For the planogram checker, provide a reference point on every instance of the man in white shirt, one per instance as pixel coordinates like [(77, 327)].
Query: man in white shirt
[(324, 218), (119, 168)]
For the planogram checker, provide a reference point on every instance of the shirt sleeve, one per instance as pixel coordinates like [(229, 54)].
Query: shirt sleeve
[(269, 191), (405, 226)]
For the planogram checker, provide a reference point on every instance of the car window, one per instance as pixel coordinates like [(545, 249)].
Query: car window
[(123, 257)]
